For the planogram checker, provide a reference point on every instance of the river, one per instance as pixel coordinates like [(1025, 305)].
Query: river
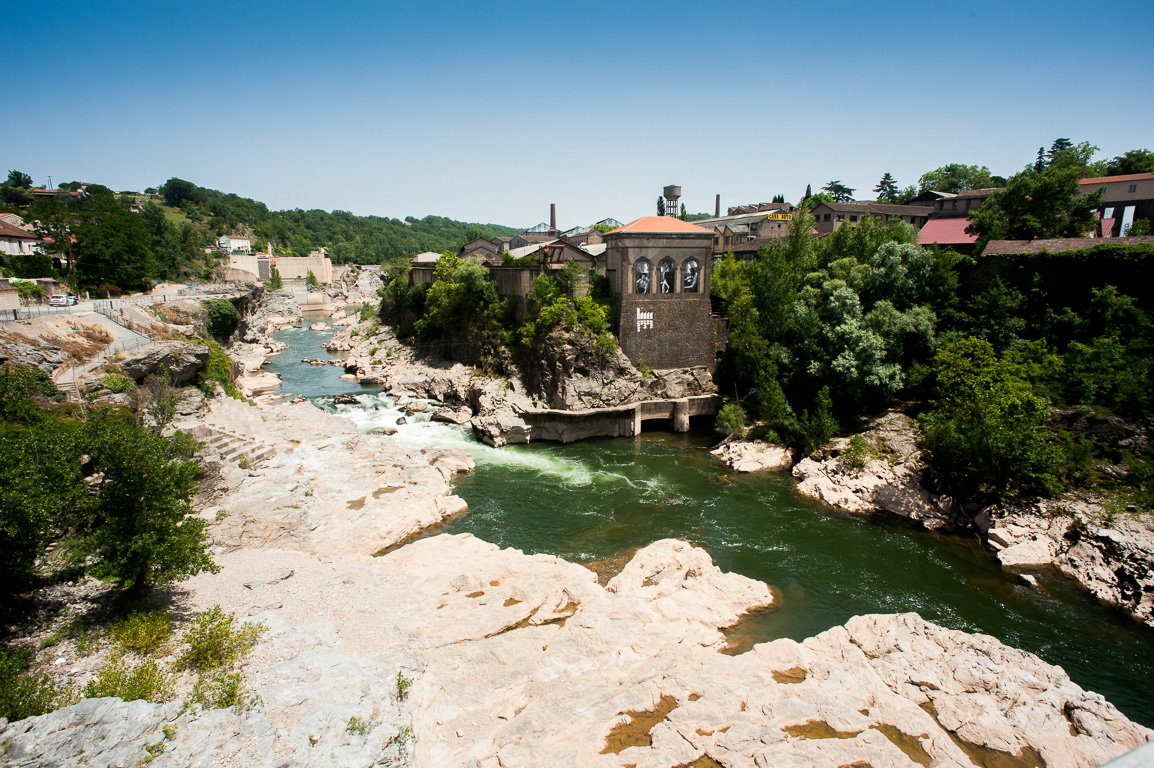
[(594, 502)]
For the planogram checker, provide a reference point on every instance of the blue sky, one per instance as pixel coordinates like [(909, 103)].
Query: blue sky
[(491, 111)]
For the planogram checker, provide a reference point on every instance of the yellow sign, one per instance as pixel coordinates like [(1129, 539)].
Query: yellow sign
[(780, 216)]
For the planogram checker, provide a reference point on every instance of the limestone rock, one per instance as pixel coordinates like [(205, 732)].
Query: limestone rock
[(754, 455), (453, 415), (501, 429), (181, 360)]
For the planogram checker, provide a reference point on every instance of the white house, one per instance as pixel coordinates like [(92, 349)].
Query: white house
[(235, 244)]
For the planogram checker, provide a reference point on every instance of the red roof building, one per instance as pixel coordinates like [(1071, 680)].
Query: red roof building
[(949, 232), (661, 225)]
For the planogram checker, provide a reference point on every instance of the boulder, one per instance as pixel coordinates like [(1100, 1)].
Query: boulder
[(754, 455), (259, 381), (180, 360), (456, 416), (501, 429)]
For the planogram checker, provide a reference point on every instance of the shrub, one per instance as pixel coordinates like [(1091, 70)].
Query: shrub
[(858, 452), (147, 680), (403, 685), (223, 317), (216, 639), (646, 371), (816, 430), (117, 383), (359, 726), (219, 690), (143, 632), (24, 290), (27, 695), (217, 370), (731, 419), (275, 283), (311, 280)]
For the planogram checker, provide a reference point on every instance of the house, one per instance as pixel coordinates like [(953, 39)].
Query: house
[(234, 244), (658, 270), (830, 216), (16, 241), (948, 222), (733, 231), (1124, 199), (483, 250), (422, 266)]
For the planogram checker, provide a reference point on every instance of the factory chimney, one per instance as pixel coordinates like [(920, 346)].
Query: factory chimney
[(553, 219), (717, 208)]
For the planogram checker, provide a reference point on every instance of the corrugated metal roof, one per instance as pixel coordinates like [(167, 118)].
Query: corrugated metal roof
[(945, 232)]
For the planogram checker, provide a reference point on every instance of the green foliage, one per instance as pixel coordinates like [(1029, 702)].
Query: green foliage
[(117, 383), (275, 283), (148, 680), (955, 177), (367, 312), (112, 244), (19, 179), (816, 430), (219, 689), (223, 317), (360, 726), (311, 280), (858, 453), (404, 683), (839, 192), (143, 632), (216, 639), (660, 206), (986, 431), (216, 371), (1036, 204), (1140, 228), (887, 189), (644, 369), (24, 290), (24, 694), (462, 293), (731, 419), (144, 531)]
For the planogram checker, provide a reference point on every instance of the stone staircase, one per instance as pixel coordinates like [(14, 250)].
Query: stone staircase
[(236, 429)]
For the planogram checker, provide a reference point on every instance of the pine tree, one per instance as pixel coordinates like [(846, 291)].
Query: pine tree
[(1040, 163), (660, 206), (887, 189), (778, 199), (683, 214)]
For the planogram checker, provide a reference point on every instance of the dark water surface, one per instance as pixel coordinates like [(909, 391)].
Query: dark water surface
[(598, 500)]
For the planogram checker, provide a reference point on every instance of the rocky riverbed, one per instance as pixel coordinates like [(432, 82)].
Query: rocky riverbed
[(518, 659), (524, 660)]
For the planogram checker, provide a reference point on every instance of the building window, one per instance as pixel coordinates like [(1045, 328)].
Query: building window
[(853, 217), (641, 277), (968, 204), (826, 217), (716, 239), (955, 206), (692, 277), (666, 276), (727, 239), (841, 217), (942, 206), (1133, 187)]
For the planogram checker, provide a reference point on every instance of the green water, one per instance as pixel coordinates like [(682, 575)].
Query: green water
[(597, 500)]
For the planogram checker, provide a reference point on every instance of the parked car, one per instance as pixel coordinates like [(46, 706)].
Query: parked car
[(62, 300)]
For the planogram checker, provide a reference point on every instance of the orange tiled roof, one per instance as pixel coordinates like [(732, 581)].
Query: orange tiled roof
[(662, 224)]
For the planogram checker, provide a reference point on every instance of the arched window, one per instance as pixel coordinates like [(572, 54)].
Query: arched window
[(641, 276), (666, 276), (692, 276)]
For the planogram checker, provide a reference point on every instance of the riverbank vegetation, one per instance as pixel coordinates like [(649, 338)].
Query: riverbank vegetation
[(461, 316), (1031, 374)]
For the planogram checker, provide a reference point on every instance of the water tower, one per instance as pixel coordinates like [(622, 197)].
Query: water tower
[(672, 195)]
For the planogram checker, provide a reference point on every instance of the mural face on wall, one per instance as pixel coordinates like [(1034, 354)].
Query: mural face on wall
[(642, 276), (666, 276), (692, 276)]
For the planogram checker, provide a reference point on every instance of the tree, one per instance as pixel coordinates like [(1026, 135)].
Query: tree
[(839, 192), (778, 199), (1132, 161), (1036, 204), (1040, 163), (145, 532), (954, 178), (311, 280), (986, 432), (223, 317), (887, 189), (660, 206), (683, 214), (275, 283), (53, 217), (19, 179), (176, 191), (112, 245)]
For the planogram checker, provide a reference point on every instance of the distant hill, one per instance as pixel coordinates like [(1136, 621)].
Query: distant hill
[(348, 238)]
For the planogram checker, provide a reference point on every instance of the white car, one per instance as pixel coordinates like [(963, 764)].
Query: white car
[(61, 300)]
